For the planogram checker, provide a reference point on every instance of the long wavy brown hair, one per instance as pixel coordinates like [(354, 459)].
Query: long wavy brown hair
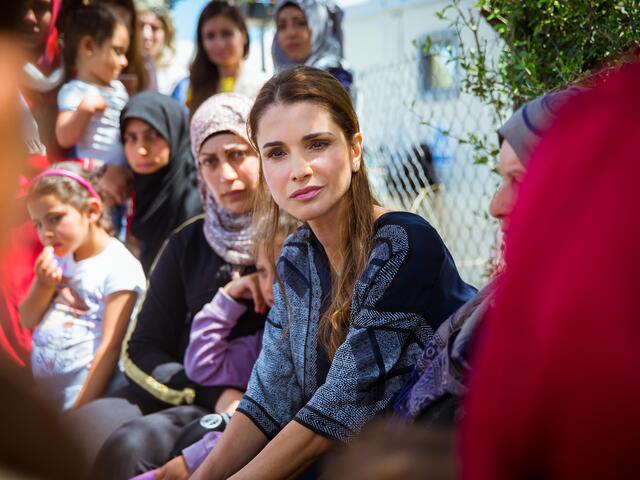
[(205, 77), (307, 84)]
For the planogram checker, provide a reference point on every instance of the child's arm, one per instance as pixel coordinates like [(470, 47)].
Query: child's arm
[(43, 288), (117, 313), (208, 359), (70, 126)]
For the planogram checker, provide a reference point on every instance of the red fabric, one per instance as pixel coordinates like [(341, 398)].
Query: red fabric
[(15, 277), (556, 390), (16, 269), (51, 54)]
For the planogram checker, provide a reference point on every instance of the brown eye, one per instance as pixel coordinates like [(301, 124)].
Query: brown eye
[(318, 145), (153, 135), (209, 162), (275, 153), (237, 154)]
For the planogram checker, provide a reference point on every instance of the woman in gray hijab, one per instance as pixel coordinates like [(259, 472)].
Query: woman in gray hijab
[(309, 32), (439, 379)]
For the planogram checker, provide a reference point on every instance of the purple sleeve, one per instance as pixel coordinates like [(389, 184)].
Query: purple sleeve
[(211, 359), (150, 475), (195, 454)]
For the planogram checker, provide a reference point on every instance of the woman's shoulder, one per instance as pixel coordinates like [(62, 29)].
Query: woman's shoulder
[(189, 229), (416, 226), (187, 250), (188, 236), (409, 234)]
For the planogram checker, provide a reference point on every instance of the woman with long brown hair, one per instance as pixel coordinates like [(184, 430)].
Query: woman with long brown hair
[(222, 45), (360, 288)]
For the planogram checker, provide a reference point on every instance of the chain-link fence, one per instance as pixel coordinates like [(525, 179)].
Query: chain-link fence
[(416, 162)]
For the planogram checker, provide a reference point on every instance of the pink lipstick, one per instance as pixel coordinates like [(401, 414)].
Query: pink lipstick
[(306, 193)]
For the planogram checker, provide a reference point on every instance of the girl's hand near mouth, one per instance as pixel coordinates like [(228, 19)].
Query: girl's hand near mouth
[(47, 270)]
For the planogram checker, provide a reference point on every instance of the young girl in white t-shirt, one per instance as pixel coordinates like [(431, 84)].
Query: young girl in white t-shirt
[(96, 41), (84, 292)]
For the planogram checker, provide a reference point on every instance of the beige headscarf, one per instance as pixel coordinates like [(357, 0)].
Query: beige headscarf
[(230, 235)]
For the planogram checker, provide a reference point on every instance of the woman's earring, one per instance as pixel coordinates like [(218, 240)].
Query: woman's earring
[(355, 165)]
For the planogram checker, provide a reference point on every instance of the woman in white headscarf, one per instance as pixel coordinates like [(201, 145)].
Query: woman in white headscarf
[(309, 32)]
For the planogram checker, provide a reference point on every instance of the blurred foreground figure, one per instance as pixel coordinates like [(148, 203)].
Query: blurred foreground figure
[(28, 25), (391, 452), (32, 444), (12, 147), (555, 395), (18, 133)]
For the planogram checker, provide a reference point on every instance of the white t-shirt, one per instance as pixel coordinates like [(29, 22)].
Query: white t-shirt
[(66, 340), (101, 140)]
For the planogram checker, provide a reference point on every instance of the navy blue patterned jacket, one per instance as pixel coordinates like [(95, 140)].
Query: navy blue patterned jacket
[(409, 287)]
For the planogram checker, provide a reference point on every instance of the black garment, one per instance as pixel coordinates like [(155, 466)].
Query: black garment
[(93, 423), (143, 444), (187, 275), (166, 198)]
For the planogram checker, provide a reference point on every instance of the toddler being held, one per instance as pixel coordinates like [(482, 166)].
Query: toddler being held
[(95, 46)]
